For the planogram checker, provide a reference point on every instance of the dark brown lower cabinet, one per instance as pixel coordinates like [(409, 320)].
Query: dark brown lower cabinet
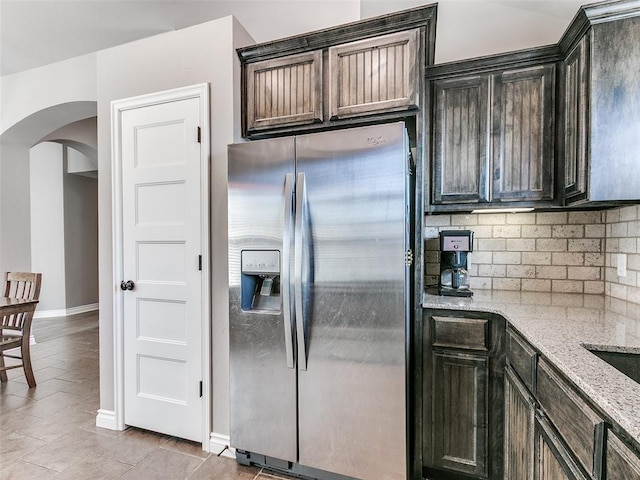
[(519, 418), (463, 395), (551, 459), (622, 462)]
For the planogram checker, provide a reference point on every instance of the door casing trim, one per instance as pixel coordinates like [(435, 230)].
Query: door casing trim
[(200, 91)]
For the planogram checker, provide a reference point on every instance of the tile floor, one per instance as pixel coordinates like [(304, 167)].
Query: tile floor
[(49, 431)]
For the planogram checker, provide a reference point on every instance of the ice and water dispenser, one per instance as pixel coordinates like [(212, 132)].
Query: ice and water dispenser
[(260, 280)]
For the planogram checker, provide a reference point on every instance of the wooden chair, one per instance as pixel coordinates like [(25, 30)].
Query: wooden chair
[(18, 322)]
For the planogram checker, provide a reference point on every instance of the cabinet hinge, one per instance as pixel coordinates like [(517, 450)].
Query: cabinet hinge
[(199, 135), (200, 388), (408, 258)]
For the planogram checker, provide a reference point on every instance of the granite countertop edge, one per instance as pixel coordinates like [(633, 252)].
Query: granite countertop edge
[(559, 326)]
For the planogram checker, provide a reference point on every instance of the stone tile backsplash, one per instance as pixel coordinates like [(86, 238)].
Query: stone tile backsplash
[(569, 252)]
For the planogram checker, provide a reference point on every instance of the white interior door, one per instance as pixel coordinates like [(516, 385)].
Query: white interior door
[(161, 248)]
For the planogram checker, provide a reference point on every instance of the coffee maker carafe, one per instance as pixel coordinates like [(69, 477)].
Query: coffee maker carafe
[(455, 246)]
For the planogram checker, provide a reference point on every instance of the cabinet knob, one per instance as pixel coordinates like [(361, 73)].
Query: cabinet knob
[(496, 174)]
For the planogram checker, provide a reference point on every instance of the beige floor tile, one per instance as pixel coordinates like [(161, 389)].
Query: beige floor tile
[(58, 425), (95, 467), (185, 446), (14, 446), (130, 447), (50, 405), (222, 468), (164, 465), (20, 470), (64, 452)]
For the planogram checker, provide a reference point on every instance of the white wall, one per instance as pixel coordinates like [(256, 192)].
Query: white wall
[(204, 53), (47, 223)]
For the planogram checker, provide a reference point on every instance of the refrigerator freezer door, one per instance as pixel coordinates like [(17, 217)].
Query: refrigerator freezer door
[(262, 382), (351, 398)]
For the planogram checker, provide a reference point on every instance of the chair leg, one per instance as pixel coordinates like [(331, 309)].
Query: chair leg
[(3, 372), (26, 361)]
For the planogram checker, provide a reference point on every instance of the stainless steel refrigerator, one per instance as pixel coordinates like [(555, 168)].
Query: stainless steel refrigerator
[(319, 295)]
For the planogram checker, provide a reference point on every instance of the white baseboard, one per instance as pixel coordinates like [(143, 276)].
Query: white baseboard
[(106, 419), (63, 312), (220, 443)]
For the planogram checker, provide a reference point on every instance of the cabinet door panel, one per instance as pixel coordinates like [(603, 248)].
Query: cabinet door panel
[(375, 75), (518, 429), (576, 134), (523, 134), (460, 412), (284, 91), (551, 459), (621, 462), (460, 140)]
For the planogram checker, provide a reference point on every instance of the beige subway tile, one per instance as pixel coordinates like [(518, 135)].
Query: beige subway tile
[(567, 231), (506, 231), (506, 258), (481, 257), (613, 216), (480, 283), (492, 245), (639, 245), (432, 269), (607, 289), (521, 218), (633, 295), (594, 231), (633, 229), (551, 272), (464, 220), (536, 231), (482, 231), (431, 232), (619, 229), (437, 220), (611, 274), (567, 286), (521, 244), (584, 245), (630, 279), (551, 245), (628, 245), (521, 271), (629, 213), (536, 258), (633, 262), (492, 270), (430, 279), (594, 287), (506, 284), (611, 245), (592, 216), (584, 273), (563, 258), (431, 256), (492, 219), (531, 285), (594, 259), (472, 269), (618, 291), (551, 218)]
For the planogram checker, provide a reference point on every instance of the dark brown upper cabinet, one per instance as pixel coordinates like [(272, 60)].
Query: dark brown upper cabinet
[(493, 131), (601, 110), (371, 70)]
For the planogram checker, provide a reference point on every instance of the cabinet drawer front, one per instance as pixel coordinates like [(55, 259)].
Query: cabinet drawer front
[(579, 425), (284, 91), (522, 358), (466, 333), (622, 462)]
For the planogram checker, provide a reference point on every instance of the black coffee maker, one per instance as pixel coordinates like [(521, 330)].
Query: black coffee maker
[(455, 246)]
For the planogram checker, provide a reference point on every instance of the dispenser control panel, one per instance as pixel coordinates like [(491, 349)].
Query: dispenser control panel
[(261, 262)]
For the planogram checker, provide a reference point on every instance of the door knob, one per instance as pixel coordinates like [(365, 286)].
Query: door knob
[(128, 285)]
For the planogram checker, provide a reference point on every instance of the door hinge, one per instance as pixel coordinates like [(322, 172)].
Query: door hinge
[(199, 135), (408, 258), (200, 262), (200, 388)]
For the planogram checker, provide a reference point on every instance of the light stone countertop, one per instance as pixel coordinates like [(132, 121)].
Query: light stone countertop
[(557, 325)]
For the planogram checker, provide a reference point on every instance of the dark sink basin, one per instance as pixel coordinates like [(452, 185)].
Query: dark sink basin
[(625, 362)]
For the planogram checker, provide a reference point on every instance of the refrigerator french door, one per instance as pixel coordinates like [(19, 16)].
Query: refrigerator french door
[(318, 235)]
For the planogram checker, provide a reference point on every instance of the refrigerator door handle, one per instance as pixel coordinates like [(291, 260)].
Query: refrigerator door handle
[(301, 202), (286, 255)]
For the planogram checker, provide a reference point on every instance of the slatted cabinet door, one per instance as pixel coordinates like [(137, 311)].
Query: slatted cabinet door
[(461, 135), (523, 134), (519, 414)]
